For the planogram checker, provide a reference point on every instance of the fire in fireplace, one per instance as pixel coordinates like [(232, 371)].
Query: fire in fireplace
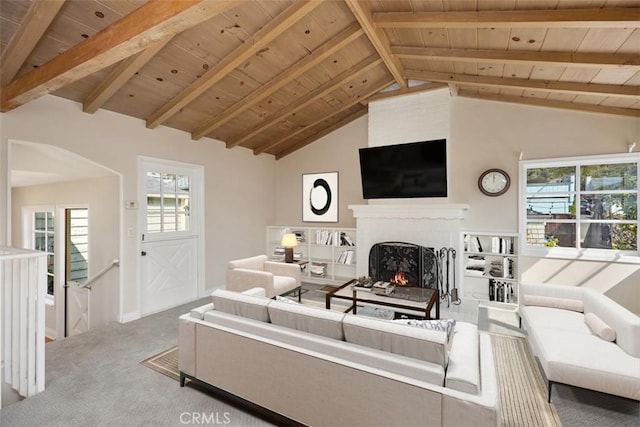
[(403, 263), (399, 279)]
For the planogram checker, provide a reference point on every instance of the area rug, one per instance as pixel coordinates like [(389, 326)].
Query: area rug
[(165, 362), (523, 393)]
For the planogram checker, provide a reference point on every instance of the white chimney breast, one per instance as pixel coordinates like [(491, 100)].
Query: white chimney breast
[(434, 226)]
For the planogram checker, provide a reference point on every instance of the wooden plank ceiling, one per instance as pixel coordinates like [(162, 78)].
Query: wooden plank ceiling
[(276, 75)]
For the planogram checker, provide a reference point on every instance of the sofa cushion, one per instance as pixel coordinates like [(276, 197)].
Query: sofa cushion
[(463, 371), (599, 328), (553, 318), (553, 302), (419, 343), (307, 319), (241, 304)]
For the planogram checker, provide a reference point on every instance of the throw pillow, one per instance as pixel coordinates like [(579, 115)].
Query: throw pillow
[(285, 299), (600, 328), (552, 302), (445, 325)]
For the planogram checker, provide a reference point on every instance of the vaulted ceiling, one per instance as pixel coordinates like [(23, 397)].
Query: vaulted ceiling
[(276, 75)]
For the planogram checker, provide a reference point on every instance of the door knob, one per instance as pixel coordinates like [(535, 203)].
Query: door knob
[(143, 253)]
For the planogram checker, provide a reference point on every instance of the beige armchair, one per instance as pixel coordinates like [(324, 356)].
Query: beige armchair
[(277, 278)]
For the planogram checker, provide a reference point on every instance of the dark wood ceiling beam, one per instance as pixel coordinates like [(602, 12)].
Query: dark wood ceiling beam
[(293, 133), (626, 17), (323, 132), (327, 49), (306, 100), (378, 39), (540, 102), (249, 48), (563, 59), (32, 28), (151, 22), (425, 87), (542, 85), (120, 76)]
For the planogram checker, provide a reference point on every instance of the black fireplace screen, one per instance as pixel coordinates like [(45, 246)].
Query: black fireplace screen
[(418, 264)]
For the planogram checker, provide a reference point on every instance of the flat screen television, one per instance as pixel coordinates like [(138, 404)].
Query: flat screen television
[(416, 169)]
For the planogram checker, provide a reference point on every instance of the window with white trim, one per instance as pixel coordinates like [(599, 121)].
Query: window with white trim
[(585, 204), (42, 238)]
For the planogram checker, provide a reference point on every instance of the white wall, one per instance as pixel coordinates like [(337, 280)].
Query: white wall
[(101, 196), (488, 134), (240, 187), (337, 151), (482, 135)]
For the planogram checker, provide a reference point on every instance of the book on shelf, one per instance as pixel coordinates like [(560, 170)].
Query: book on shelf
[(500, 245), (278, 252), (318, 269), (301, 236), (345, 257), (333, 238), (345, 240), (472, 243), (502, 292)]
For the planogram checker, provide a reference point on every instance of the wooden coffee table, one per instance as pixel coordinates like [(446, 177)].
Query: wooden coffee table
[(409, 298)]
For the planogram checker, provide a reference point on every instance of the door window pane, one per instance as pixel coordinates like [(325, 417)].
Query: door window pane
[(40, 220), (169, 184), (168, 198)]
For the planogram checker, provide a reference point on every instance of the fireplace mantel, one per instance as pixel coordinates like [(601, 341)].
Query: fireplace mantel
[(433, 211)]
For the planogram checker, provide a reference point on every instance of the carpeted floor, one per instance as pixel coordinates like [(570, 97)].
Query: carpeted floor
[(96, 379)]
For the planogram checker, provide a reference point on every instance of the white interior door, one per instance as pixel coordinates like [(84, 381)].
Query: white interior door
[(171, 234), (77, 270), (77, 310)]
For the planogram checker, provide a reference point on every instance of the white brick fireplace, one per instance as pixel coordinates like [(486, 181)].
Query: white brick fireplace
[(433, 225)]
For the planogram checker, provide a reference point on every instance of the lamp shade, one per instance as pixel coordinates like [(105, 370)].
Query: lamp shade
[(289, 240)]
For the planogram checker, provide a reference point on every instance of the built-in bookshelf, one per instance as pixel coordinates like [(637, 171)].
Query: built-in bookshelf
[(330, 252), (490, 268)]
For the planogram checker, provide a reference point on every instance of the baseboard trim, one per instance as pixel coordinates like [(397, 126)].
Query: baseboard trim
[(50, 333), (130, 317)]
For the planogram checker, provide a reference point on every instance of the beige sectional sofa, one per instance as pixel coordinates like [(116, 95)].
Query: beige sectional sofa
[(582, 338), (319, 367)]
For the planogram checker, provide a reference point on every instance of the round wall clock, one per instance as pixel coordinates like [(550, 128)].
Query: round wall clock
[(494, 182)]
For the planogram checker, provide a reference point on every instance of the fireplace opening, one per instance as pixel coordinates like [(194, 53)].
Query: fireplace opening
[(405, 264)]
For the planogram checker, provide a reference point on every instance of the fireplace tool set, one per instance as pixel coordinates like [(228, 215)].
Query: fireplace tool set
[(447, 276)]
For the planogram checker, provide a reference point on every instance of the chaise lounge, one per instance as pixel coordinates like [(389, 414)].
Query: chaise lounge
[(582, 338)]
